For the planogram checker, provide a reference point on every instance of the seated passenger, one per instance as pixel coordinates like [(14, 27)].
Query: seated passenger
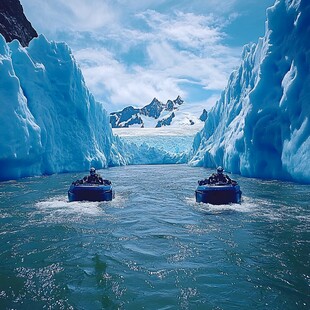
[(219, 177), (93, 177)]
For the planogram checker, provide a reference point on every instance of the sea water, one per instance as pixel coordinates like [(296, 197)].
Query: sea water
[(153, 247)]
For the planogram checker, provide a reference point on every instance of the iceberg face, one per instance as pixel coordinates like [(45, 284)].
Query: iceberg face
[(260, 126), (49, 120), (145, 154)]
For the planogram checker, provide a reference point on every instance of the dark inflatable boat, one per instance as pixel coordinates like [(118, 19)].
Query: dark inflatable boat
[(218, 193), (91, 191)]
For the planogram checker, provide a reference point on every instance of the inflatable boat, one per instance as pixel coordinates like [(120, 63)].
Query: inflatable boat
[(218, 193), (91, 192)]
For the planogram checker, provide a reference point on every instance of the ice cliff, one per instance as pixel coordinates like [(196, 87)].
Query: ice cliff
[(260, 126), (49, 120)]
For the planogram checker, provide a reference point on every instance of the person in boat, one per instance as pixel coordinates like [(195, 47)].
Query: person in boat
[(93, 177), (219, 177)]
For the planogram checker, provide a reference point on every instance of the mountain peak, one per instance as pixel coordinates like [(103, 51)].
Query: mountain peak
[(153, 109), (154, 114)]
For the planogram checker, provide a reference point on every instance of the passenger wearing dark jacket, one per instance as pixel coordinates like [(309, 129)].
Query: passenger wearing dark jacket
[(219, 177), (93, 177)]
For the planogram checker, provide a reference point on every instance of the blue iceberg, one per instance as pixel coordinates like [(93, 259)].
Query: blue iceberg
[(50, 122), (260, 126)]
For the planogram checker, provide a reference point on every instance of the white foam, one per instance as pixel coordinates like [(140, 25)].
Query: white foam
[(245, 206), (59, 206), (60, 209)]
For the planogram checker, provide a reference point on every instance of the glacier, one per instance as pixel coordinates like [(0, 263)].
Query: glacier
[(260, 125), (50, 122), (176, 141)]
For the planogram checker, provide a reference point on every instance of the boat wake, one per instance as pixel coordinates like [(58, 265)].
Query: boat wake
[(247, 205), (59, 207)]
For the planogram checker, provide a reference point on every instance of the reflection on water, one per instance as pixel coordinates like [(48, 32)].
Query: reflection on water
[(153, 247)]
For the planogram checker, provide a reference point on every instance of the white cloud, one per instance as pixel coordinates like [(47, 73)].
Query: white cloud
[(51, 16), (187, 29), (113, 82), (179, 47)]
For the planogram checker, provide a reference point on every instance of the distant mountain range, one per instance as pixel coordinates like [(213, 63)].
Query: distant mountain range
[(156, 114), (14, 24)]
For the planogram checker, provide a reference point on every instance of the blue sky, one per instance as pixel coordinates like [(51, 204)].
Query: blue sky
[(132, 51)]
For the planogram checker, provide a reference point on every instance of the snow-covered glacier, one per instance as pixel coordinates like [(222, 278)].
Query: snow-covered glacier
[(260, 126)]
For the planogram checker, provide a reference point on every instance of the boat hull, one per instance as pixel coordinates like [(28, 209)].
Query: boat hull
[(218, 194), (90, 192)]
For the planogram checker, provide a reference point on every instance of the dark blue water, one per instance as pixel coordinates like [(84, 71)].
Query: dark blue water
[(153, 247)]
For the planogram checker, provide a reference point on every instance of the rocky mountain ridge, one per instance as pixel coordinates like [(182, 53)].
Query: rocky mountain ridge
[(155, 114), (14, 24)]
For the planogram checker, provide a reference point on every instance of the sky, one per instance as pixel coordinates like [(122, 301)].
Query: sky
[(132, 51)]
